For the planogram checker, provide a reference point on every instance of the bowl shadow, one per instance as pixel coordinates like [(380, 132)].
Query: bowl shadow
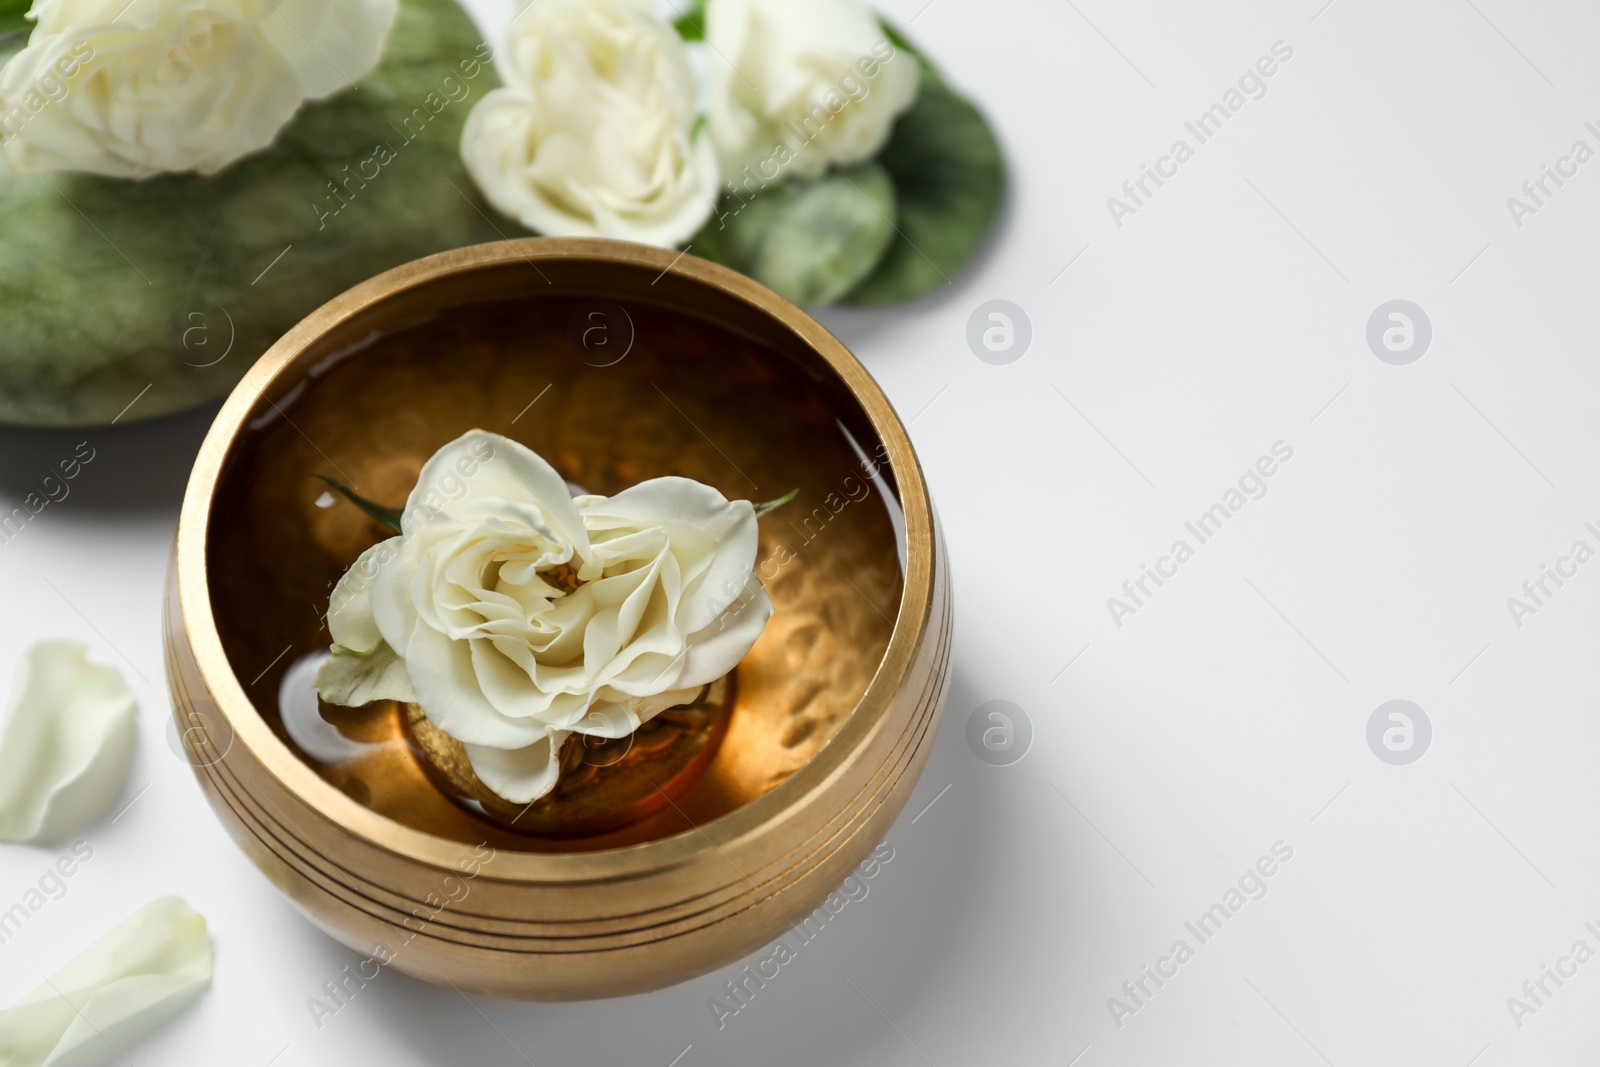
[(816, 1009), (136, 468)]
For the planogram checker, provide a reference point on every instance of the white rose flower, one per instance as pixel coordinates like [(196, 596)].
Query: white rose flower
[(594, 134), (135, 89), (798, 87), (516, 615)]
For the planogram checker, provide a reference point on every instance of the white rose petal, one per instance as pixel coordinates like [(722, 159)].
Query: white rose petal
[(594, 133), (362, 668), (520, 775), (67, 745), (718, 648), (331, 44), (122, 989), (519, 615), (129, 90), (798, 87)]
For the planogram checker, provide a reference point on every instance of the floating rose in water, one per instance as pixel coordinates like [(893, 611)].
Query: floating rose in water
[(516, 615)]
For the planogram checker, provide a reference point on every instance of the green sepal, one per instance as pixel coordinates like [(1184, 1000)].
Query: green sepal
[(774, 505), (388, 516)]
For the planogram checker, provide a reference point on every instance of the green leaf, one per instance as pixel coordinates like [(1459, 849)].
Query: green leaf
[(948, 176), (774, 505), (811, 242), (903, 43), (691, 23), (388, 516)]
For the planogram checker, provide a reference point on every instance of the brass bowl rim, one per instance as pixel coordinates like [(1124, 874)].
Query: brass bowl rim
[(809, 783)]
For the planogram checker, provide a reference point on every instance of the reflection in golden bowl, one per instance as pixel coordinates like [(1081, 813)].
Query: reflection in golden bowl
[(617, 363)]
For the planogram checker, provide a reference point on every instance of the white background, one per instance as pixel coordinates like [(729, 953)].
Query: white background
[(1229, 713)]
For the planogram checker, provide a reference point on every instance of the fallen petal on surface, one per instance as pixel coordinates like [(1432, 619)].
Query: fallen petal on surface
[(120, 990), (67, 744)]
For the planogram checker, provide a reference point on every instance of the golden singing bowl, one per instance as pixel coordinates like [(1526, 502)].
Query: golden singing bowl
[(617, 363)]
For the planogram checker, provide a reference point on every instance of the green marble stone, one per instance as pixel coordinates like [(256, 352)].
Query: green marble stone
[(116, 291)]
